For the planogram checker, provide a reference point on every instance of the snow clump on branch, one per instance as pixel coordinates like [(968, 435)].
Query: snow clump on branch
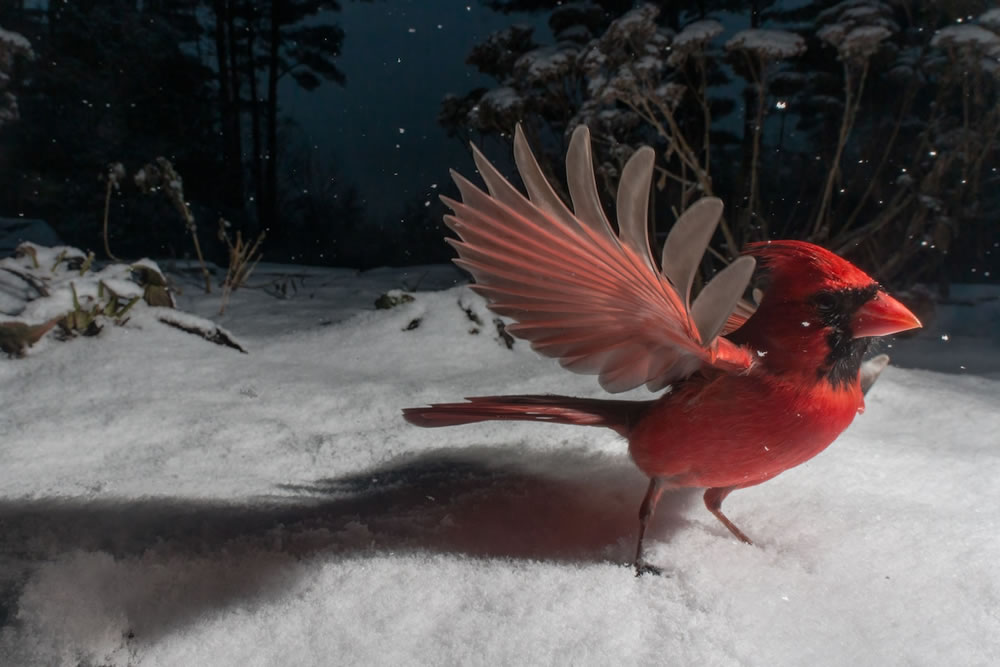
[(12, 45), (692, 39), (856, 28), (767, 44), (628, 58), (545, 64), (971, 45), (990, 18)]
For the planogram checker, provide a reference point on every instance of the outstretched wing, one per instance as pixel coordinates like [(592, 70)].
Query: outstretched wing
[(590, 297)]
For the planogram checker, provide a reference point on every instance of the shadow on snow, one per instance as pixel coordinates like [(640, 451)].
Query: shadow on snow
[(483, 502)]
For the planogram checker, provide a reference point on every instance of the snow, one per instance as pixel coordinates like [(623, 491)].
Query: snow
[(546, 63), (170, 502), (648, 66), (854, 43), (978, 42), (11, 44), (863, 41), (966, 35), (694, 37), (574, 33), (990, 18), (768, 44), (14, 41), (503, 99), (671, 93), (857, 28), (635, 26), (697, 33), (862, 13), (836, 10)]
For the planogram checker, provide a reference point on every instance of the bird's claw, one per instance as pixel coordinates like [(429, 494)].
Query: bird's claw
[(642, 567)]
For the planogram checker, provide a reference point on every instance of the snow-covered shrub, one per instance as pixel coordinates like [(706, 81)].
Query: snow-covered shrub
[(693, 39), (753, 53), (12, 45), (59, 289), (971, 45), (870, 90), (856, 28), (767, 45)]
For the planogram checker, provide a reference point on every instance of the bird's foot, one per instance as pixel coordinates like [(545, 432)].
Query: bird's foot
[(642, 567), (740, 535)]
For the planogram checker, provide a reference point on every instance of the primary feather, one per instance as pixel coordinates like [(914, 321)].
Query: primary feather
[(585, 295)]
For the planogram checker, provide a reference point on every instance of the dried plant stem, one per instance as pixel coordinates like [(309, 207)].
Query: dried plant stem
[(107, 211), (161, 175), (986, 149), (666, 173), (29, 279), (706, 111), (900, 201), (904, 109), (852, 100), (189, 221), (243, 258), (966, 134), (760, 82), (680, 147)]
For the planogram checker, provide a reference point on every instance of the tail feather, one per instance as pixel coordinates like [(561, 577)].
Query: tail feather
[(616, 415)]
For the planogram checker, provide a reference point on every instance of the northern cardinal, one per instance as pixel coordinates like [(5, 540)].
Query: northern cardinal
[(751, 391)]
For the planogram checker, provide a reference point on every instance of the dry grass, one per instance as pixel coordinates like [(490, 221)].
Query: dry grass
[(243, 258)]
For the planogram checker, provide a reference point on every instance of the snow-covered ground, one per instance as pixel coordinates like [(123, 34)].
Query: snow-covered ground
[(166, 501)]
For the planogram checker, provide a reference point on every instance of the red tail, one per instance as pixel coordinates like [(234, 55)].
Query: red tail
[(616, 415)]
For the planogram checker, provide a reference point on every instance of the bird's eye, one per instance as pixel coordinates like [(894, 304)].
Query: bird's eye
[(825, 302)]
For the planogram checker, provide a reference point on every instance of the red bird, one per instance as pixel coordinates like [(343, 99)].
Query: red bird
[(751, 391)]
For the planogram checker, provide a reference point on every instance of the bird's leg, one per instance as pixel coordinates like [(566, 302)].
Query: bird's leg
[(645, 513), (713, 501)]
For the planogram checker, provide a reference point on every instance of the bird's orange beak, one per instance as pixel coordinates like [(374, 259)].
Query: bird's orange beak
[(882, 316)]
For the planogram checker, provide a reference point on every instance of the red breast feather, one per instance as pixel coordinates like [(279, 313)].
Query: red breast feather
[(725, 430)]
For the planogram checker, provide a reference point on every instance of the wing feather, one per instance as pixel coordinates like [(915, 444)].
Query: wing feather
[(520, 220), (583, 186), (719, 298), (744, 309), (581, 293), (687, 241), (633, 203)]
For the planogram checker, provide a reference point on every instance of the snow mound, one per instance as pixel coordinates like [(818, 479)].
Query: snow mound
[(42, 287), (220, 509)]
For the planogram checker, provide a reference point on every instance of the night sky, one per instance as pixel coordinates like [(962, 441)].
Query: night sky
[(380, 130)]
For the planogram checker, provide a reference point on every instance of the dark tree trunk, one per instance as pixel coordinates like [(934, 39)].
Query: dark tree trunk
[(257, 161), (51, 12), (232, 176), (270, 221), (744, 217)]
